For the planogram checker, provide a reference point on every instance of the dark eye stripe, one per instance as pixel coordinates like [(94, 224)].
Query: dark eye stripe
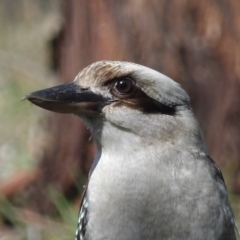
[(151, 106), (147, 105)]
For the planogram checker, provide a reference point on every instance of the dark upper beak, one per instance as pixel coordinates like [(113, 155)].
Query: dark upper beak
[(68, 98)]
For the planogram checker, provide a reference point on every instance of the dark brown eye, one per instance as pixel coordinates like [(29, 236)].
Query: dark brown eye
[(124, 86)]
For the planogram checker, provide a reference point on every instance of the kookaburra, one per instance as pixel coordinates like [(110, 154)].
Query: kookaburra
[(152, 178)]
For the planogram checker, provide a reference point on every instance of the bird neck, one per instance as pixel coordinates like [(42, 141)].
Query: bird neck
[(160, 137), (157, 133)]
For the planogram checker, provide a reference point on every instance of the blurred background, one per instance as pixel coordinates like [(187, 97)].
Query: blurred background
[(45, 157)]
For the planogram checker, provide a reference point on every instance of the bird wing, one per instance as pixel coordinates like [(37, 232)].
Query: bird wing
[(82, 217), (217, 174)]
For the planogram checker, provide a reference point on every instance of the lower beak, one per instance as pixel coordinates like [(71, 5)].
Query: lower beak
[(68, 98)]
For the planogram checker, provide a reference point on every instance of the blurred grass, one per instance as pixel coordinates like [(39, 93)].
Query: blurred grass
[(30, 226)]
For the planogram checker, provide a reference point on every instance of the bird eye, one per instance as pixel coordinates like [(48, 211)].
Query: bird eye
[(124, 86)]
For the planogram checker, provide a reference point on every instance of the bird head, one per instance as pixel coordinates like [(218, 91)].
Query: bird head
[(124, 96)]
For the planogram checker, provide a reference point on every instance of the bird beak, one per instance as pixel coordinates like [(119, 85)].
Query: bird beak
[(68, 98)]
